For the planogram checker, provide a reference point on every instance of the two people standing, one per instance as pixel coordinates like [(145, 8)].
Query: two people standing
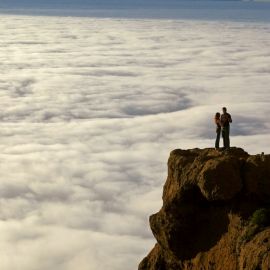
[(223, 128)]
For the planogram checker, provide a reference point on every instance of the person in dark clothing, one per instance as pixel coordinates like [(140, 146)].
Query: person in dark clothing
[(218, 129), (225, 121)]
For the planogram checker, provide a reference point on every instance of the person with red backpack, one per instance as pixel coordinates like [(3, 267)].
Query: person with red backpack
[(225, 121)]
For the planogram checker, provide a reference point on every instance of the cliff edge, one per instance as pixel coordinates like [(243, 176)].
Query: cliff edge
[(215, 212)]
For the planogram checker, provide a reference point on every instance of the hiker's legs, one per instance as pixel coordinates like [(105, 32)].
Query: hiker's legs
[(223, 137), (226, 138), (217, 139)]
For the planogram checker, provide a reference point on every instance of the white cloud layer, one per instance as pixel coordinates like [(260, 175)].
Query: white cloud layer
[(90, 109)]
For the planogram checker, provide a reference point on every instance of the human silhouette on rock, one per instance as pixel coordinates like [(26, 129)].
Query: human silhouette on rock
[(225, 121), (218, 129)]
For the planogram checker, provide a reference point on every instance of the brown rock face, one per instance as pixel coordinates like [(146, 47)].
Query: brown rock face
[(207, 220)]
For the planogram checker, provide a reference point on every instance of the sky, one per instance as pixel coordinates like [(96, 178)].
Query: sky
[(143, 9), (80, 3), (92, 107)]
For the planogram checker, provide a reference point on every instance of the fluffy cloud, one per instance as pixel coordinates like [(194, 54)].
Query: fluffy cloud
[(91, 109)]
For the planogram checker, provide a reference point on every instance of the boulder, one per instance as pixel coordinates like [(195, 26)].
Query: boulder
[(208, 201)]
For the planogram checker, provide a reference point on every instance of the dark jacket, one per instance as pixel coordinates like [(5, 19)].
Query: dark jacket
[(225, 119)]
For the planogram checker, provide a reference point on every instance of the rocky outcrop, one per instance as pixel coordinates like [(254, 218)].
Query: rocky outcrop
[(214, 213)]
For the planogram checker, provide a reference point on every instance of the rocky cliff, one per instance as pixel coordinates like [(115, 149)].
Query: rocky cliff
[(215, 212)]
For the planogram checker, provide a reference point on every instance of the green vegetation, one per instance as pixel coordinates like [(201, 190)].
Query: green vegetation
[(261, 217)]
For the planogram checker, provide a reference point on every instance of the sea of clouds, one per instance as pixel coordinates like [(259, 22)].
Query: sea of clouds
[(91, 108)]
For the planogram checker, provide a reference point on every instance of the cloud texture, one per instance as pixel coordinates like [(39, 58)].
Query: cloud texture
[(90, 109)]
